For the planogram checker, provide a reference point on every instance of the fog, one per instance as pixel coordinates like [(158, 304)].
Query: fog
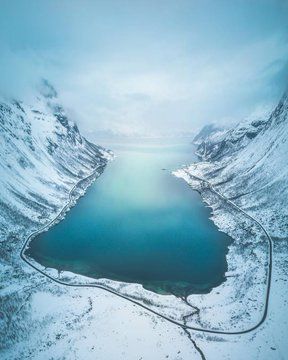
[(149, 68)]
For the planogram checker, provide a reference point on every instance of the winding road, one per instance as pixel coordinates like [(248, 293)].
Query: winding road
[(183, 326)]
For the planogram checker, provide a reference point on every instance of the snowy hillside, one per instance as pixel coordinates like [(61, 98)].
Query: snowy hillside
[(248, 164), (221, 142), (205, 132), (42, 156)]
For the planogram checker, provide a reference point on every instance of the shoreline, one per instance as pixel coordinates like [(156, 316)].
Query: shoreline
[(94, 176), (106, 288), (270, 241)]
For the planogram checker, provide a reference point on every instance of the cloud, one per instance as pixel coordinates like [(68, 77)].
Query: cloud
[(132, 67), (184, 94)]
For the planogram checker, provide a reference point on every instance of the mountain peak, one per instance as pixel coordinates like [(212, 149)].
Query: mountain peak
[(47, 90), (280, 113)]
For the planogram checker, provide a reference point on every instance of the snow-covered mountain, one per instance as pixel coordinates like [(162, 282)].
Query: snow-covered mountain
[(205, 132), (42, 156), (249, 165), (221, 142)]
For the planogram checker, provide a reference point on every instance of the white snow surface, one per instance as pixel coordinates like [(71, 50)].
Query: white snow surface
[(252, 168), (42, 156)]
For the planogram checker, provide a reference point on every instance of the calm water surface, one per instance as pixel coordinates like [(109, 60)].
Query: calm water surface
[(139, 224)]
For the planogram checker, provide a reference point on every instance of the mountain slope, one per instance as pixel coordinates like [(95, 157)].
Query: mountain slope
[(249, 165), (220, 143), (42, 156)]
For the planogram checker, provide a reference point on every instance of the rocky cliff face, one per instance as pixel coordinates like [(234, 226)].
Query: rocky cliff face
[(42, 156)]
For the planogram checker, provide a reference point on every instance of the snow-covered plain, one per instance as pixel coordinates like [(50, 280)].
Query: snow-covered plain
[(40, 319)]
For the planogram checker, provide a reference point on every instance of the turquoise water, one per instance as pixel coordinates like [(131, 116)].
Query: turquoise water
[(139, 224)]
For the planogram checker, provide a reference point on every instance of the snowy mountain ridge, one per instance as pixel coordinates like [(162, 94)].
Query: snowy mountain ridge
[(221, 142), (249, 165), (42, 156)]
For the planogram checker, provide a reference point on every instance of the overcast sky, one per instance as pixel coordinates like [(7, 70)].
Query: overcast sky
[(151, 67)]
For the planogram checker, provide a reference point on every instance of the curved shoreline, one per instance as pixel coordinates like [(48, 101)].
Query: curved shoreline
[(270, 243), (183, 326)]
